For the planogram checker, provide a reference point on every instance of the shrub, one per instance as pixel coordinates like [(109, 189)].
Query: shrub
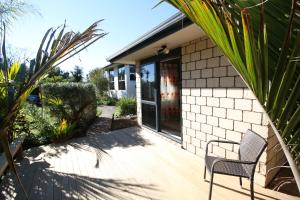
[(73, 102), (106, 100), (44, 128), (41, 125), (125, 106)]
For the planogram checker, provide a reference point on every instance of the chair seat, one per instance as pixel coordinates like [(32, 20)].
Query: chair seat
[(228, 168)]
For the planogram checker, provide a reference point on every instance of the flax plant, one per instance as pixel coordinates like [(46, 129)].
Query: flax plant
[(18, 81)]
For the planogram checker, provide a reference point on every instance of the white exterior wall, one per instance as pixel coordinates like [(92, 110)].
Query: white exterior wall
[(129, 85), (138, 93), (216, 104)]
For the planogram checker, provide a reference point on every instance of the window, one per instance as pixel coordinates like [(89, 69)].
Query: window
[(148, 82), (111, 77), (121, 77), (132, 73)]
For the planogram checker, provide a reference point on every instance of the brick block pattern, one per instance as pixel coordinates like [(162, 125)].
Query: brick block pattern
[(216, 104)]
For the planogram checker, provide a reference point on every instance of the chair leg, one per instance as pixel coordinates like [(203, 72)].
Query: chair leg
[(252, 189), (241, 183), (204, 172), (211, 184)]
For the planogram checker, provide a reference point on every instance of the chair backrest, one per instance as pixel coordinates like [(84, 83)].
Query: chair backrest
[(252, 146)]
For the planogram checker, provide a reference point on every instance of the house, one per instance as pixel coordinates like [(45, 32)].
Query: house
[(121, 80), (188, 92)]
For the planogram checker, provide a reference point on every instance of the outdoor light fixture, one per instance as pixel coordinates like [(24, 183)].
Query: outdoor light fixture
[(163, 50)]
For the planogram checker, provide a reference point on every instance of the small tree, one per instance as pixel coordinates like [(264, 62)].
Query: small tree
[(98, 78), (77, 74), (57, 75)]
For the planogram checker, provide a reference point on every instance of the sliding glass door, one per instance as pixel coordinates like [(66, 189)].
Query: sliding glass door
[(160, 94), (149, 95)]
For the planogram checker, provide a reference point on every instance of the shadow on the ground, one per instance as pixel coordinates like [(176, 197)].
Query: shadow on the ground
[(42, 183), (245, 192), (123, 138), (100, 143)]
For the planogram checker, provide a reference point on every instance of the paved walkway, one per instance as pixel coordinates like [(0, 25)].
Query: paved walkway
[(103, 122), (125, 164)]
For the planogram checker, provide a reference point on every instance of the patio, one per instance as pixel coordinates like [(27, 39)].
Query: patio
[(130, 163)]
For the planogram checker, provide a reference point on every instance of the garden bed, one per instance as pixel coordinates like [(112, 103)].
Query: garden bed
[(124, 122)]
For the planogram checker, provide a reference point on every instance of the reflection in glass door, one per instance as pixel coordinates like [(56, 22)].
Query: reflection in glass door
[(170, 97), (149, 100)]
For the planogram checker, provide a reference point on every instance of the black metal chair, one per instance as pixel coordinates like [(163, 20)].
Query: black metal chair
[(251, 147)]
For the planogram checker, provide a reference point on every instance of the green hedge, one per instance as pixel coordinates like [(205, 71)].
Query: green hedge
[(75, 102)]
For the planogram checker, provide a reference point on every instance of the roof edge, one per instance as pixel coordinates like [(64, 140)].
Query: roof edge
[(148, 35)]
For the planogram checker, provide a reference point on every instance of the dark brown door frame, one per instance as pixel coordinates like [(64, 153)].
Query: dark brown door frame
[(174, 54)]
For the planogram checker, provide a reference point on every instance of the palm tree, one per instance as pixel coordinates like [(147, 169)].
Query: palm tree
[(262, 41), (17, 81)]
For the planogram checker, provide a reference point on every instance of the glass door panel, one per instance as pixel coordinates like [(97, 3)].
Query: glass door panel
[(170, 97), (149, 100)]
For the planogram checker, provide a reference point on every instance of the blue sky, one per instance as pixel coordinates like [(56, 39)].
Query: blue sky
[(123, 20)]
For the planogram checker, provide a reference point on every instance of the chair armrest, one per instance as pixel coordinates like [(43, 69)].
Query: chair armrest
[(231, 161), (219, 141)]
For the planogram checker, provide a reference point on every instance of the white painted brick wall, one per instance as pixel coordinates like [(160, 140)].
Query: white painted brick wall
[(213, 62), (227, 82), (201, 45), (235, 93), (196, 74), (219, 112), (217, 52), (212, 101), (243, 104), (236, 115), (241, 126), (201, 118), (186, 75), (219, 132), (226, 123), (252, 117), (213, 83), (195, 92), (219, 92), (206, 110), (206, 73), (206, 92), (206, 53), (195, 109), (220, 72), (201, 64), (226, 102), (191, 100), (214, 121), (206, 128), (201, 83), (224, 61), (233, 136), (201, 101), (215, 103)]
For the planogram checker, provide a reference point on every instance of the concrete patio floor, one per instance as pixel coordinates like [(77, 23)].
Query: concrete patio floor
[(130, 163)]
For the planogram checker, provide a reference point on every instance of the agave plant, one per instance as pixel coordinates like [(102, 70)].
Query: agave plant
[(17, 82), (262, 41)]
